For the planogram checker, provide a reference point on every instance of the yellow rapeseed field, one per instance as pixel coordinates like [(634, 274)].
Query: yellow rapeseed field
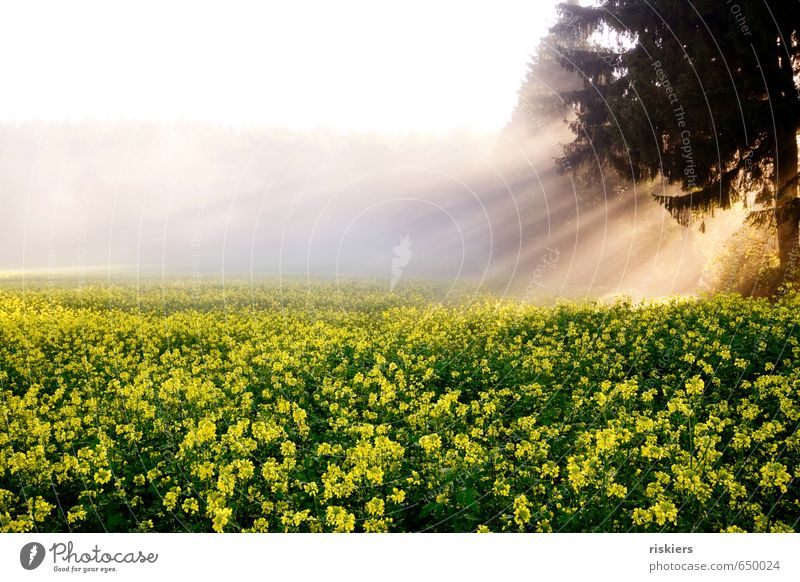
[(347, 408)]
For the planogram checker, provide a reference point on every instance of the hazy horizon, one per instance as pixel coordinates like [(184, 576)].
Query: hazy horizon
[(202, 200), (284, 145)]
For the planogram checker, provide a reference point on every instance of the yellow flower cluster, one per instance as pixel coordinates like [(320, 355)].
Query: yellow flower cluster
[(346, 408)]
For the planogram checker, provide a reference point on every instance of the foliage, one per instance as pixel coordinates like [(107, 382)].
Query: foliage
[(686, 91), (704, 95), (747, 263), (210, 408)]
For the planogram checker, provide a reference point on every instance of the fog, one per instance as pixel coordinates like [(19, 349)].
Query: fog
[(184, 199)]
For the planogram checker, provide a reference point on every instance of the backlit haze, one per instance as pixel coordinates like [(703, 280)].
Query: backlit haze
[(331, 139), (348, 65)]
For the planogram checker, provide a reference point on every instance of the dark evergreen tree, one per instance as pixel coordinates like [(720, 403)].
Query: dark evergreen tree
[(701, 93)]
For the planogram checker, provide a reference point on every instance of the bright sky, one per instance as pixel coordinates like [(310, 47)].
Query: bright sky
[(429, 65)]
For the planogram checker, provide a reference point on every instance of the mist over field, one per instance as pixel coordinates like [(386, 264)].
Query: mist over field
[(194, 199)]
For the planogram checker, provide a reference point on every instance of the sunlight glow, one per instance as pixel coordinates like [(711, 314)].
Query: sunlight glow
[(353, 65)]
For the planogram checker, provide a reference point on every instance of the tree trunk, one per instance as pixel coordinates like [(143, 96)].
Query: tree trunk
[(787, 213)]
